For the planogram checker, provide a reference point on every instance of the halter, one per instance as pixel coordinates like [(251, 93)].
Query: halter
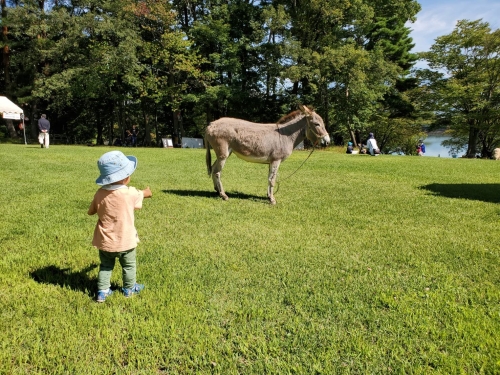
[(313, 130), (308, 156)]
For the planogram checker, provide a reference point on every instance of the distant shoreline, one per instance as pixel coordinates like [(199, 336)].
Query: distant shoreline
[(437, 133)]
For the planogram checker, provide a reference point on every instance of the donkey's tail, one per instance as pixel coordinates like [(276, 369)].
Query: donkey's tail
[(208, 157)]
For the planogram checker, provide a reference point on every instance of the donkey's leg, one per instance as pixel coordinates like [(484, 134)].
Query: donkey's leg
[(216, 172), (273, 173)]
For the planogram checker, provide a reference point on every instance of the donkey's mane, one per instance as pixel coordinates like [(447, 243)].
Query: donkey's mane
[(289, 117)]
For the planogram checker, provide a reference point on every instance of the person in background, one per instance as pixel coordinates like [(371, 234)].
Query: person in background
[(115, 234), (134, 135), (496, 154), (420, 148), (371, 145), (128, 137), (349, 148), (43, 135)]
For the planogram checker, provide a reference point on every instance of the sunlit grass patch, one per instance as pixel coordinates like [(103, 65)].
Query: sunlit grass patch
[(365, 265)]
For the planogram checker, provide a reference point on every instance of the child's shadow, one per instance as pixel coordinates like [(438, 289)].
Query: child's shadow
[(78, 281)]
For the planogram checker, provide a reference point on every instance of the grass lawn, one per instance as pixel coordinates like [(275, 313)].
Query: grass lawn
[(366, 265)]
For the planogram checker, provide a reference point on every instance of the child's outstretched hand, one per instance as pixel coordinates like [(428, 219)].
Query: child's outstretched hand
[(147, 193)]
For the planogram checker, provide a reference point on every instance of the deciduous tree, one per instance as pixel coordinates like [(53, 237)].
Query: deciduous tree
[(465, 89)]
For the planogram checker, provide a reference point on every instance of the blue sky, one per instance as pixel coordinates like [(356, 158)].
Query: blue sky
[(439, 17)]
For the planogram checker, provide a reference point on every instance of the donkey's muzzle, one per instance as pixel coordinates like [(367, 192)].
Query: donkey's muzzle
[(325, 141)]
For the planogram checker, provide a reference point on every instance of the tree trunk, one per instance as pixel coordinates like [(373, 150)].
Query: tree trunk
[(177, 132), (327, 107), (295, 90), (186, 18), (111, 136), (5, 49), (473, 136), (181, 125), (357, 139), (349, 127), (34, 126), (99, 128), (12, 129), (147, 128), (121, 125), (351, 133), (157, 133)]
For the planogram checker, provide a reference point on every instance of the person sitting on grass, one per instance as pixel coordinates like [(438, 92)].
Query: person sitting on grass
[(115, 235), (349, 148), (371, 145), (420, 148)]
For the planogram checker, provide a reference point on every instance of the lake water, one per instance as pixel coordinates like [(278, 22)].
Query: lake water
[(433, 147)]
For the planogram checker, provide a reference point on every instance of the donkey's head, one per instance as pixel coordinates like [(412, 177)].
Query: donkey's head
[(315, 130)]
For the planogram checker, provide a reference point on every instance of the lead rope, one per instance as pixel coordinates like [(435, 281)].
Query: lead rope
[(278, 182)]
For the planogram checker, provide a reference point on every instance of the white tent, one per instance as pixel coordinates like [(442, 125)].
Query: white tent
[(11, 111)]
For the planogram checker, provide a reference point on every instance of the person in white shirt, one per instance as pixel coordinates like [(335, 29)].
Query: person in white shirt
[(372, 146)]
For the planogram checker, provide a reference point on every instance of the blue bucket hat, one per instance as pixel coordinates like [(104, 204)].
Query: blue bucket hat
[(115, 166), (349, 143)]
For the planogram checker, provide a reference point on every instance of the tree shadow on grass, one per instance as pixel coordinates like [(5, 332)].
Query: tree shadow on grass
[(479, 192), (63, 277), (209, 194)]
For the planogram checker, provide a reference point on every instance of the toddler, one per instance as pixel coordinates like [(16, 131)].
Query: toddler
[(115, 235)]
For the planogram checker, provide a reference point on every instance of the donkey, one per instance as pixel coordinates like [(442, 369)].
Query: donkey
[(261, 143)]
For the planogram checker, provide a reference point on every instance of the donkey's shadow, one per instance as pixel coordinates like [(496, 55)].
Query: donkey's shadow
[(213, 194), (63, 277)]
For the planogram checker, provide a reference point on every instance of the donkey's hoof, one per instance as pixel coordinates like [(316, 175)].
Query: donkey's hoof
[(224, 196), (272, 201)]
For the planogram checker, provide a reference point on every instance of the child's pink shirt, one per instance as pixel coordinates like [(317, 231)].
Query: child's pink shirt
[(115, 230)]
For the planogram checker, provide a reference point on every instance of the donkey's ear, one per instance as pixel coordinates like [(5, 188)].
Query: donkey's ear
[(305, 110)]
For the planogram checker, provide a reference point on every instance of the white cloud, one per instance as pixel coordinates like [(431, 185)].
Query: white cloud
[(439, 17)]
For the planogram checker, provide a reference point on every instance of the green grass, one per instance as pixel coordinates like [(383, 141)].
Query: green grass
[(365, 266)]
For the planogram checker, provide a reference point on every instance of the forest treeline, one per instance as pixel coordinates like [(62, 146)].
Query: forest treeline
[(97, 67)]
